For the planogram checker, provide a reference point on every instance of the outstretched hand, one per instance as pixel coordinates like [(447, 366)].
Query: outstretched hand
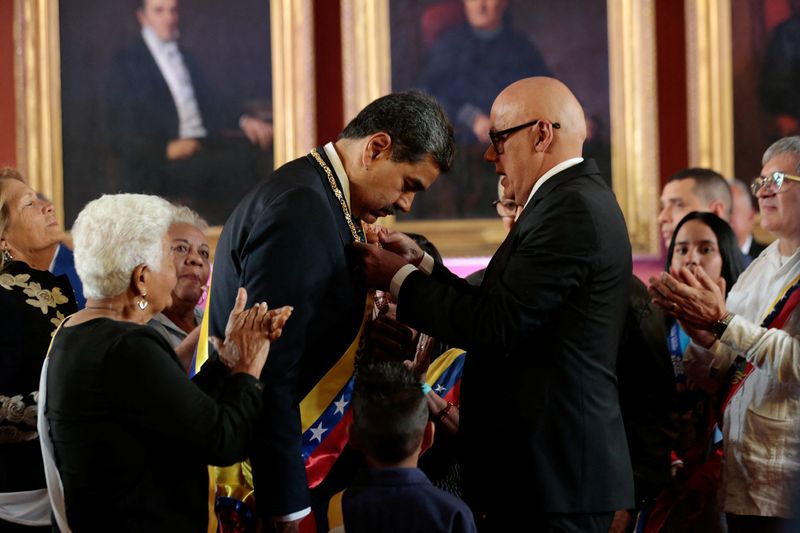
[(377, 265), (399, 243)]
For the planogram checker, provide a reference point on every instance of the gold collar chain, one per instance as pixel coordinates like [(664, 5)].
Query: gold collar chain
[(339, 196)]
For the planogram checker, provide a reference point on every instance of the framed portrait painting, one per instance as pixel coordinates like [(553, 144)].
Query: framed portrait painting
[(168, 97), (464, 52), (766, 78)]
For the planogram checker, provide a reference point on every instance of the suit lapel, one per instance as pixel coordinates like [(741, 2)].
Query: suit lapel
[(588, 166), (336, 208), (150, 71), (499, 259)]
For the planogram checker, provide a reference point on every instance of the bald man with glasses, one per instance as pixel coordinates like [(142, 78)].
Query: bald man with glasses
[(544, 446)]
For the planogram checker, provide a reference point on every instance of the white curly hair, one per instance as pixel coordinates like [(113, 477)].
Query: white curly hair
[(184, 215), (113, 235)]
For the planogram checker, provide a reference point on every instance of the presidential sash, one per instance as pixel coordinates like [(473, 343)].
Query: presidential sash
[(776, 317)]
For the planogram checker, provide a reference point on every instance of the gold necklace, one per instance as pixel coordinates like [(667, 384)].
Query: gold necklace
[(339, 196)]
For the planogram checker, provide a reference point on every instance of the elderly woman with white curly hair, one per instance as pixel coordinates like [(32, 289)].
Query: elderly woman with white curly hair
[(131, 435)]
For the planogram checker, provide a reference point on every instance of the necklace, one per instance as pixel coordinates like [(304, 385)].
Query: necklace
[(339, 196), (108, 307)]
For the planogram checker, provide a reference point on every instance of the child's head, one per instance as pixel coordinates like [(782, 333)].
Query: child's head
[(390, 414)]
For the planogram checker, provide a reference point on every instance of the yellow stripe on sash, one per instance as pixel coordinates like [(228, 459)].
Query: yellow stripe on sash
[(441, 364), (324, 393), (201, 354)]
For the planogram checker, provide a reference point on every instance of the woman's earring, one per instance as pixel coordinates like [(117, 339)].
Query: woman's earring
[(142, 303), (7, 256)]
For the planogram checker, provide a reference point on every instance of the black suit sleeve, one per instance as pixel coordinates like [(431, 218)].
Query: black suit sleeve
[(174, 409), (551, 259), (288, 260)]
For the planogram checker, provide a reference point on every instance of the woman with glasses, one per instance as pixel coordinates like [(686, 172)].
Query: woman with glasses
[(749, 345)]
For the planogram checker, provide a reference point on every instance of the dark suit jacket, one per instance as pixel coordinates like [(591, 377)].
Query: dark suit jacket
[(141, 116), (539, 389), (285, 243), (755, 249), (402, 500)]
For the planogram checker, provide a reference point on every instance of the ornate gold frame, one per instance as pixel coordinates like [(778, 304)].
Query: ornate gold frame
[(634, 128), (38, 90), (709, 74)]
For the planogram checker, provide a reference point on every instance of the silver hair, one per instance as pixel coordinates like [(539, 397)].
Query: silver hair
[(113, 235), (787, 145), (736, 183), (184, 215)]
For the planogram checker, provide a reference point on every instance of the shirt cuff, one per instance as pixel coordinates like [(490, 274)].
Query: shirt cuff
[(398, 279), (293, 516), (426, 265)]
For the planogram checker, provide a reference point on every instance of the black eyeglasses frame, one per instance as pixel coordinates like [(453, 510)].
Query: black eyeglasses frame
[(498, 137)]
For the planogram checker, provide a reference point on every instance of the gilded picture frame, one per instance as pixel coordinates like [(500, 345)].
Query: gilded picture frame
[(40, 143), (367, 73)]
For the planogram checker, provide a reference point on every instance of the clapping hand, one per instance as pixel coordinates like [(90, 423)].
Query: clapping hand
[(248, 335), (691, 297)]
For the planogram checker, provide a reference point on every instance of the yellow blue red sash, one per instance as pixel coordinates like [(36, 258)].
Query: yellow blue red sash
[(776, 317)]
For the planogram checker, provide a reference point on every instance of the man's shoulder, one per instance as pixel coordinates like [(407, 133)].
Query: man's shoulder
[(293, 188), (133, 50)]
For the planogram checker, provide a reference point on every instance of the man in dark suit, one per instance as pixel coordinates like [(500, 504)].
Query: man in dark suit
[(168, 133), (743, 218), (539, 404), (285, 243)]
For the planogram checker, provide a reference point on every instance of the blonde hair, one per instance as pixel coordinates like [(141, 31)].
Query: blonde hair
[(6, 174)]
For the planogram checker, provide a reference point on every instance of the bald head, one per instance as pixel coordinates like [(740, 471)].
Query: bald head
[(529, 153), (546, 99)]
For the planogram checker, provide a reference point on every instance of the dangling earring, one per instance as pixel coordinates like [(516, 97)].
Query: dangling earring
[(7, 256), (142, 303)]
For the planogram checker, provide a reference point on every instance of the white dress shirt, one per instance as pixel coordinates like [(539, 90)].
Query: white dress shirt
[(169, 59)]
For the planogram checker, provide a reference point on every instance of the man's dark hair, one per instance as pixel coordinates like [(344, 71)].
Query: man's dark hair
[(709, 185), (729, 251), (416, 123), (389, 411)]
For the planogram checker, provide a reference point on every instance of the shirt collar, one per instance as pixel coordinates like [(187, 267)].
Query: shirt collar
[(338, 169), (748, 243), (154, 43), (564, 165), (52, 266)]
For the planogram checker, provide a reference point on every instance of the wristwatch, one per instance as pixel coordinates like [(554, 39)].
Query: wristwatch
[(719, 327)]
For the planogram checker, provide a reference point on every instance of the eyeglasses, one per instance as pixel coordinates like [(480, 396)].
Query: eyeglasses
[(498, 137), (776, 179), (505, 208)]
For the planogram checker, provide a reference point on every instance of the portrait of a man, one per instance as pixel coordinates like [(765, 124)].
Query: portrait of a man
[(170, 99), (463, 52), (766, 78)]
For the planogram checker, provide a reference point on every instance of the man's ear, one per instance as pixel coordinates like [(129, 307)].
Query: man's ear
[(427, 436), (378, 145), (544, 137), (718, 208)]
